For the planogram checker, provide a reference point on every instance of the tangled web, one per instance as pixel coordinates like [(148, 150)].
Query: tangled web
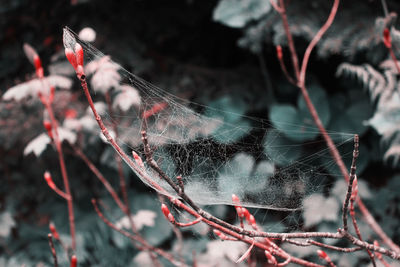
[(216, 152)]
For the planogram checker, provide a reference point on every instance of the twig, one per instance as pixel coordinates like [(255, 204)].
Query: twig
[(310, 242), (332, 148), (160, 252), (350, 185), (279, 55), (292, 48), (390, 253), (54, 137), (120, 170), (99, 176), (322, 254), (385, 8), (353, 218), (52, 249), (379, 256), (52, 185), (315, 40)]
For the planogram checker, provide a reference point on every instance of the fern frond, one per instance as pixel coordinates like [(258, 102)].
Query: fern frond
[(379, 85)]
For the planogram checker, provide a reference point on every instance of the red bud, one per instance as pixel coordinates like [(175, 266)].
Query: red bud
[(52, 93), (53, 231), (322, 254), (387, 40), (279, 52), (167, 213), (271, 259), (71, 57), (139, 161), (74, 261), (79, 54), (37, 62), (40, 73), (48, 127), (49, 180)]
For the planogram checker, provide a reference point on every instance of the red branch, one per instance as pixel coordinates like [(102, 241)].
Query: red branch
[(301, 84)]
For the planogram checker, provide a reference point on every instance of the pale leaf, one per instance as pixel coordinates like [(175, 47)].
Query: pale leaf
[(6, 223), (317, 208), (37, 145), (126, 98), (141, 218)]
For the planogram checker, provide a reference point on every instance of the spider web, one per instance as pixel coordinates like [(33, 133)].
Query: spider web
[(216, 152)]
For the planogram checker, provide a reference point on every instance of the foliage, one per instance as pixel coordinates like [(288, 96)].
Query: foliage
[(383, 90)]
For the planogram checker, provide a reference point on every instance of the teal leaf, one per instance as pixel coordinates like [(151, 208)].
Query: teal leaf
[(258, 180), (230, 112), (351, 119), (297, 123), (161, 230), (317, 208), (385, 121), (235, 172), (346, 151), (237, 13), (281, 150)]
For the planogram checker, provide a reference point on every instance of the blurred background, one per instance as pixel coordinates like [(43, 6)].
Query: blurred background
[(202, 51)]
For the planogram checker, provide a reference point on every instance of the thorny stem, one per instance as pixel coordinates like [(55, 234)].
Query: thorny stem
[(332, 148)]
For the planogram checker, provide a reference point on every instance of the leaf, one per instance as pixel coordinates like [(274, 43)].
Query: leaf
[(217, 251), (385, 121), (352, 118), (280, 149), (237, 13), (259, 179), (141, 218), (233, 126), (7, 222), (317, 208), (67, 135), (346, 151), (234, 173), (340, 188), (37, 145), (126, 98), (162, 229), (297, 123), (32, 87), (105, 75)]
